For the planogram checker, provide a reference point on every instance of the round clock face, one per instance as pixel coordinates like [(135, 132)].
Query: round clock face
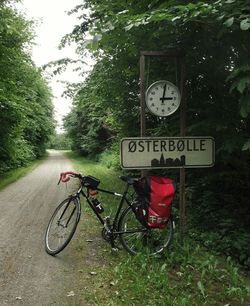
[(163, 98)]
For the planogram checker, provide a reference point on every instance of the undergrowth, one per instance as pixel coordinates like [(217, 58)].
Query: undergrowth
[(187, 274), (183, 276), (15, 174)]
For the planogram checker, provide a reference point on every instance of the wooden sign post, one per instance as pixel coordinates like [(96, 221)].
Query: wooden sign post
[(183, 119), (179, 56)]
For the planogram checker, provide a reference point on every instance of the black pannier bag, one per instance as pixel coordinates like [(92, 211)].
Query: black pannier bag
[(91, 182), (155, 195)]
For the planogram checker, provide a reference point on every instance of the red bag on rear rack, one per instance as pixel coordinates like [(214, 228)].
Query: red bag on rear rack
[(155, 195)]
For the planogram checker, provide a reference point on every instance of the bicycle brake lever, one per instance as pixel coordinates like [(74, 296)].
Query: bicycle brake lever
[(59, 180)]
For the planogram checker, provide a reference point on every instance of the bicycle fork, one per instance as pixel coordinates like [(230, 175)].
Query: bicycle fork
[(71, 215)]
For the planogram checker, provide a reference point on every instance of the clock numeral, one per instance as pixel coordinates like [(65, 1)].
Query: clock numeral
[(153, 93)]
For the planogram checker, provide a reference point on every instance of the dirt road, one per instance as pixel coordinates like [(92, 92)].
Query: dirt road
[(28, 276)]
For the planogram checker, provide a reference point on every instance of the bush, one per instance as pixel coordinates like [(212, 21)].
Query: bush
[(60, 142), (110, 159)]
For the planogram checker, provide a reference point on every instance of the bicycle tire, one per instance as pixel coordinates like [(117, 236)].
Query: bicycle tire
[(140, 239), (60, 232)]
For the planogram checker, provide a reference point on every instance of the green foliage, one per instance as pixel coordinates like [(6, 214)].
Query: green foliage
[(13, 175), (215, 38), (25, 99), (88, 125), (211, 50), (218, 214), (186, 274), (59, 142), (246, 146), (111, 158), (245, 24)]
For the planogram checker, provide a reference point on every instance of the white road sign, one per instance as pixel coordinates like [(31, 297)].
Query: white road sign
[(171, 152)]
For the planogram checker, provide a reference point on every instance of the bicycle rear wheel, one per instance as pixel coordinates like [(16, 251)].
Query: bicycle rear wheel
[(136, 238), (62, 225)]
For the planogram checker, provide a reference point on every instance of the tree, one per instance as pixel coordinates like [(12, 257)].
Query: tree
[(215, 38), (25, 98)]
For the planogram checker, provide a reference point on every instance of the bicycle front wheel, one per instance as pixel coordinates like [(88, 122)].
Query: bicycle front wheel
[(62, 225), (137, 238)]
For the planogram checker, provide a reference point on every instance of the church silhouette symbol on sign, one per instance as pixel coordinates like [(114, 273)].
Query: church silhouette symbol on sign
[(169, 162)]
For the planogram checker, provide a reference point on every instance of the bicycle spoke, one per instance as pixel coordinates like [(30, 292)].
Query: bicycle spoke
[(138, 239), (62, 226)]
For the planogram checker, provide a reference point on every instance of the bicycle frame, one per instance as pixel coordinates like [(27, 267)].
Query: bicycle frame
[(117, 214), (112, 228)]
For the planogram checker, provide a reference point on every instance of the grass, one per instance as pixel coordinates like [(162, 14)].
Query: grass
[(185, 275), (109, 179), (15, 174)]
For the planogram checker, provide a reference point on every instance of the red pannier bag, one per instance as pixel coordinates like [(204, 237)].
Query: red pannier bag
[(155, 196)]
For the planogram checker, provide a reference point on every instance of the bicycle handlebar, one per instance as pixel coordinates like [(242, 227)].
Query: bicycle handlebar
[(65, 176)]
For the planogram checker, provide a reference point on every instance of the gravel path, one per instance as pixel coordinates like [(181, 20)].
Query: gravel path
[(28, 276)]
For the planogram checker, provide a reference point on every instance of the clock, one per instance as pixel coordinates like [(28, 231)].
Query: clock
[(163, 98)]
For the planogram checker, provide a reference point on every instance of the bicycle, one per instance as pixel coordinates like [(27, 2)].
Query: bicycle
[(134, 236)]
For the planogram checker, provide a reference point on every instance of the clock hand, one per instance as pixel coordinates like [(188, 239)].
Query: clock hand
[(163, 96), (164, 91)]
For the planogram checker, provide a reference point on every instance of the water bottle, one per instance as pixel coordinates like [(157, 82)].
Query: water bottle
[(97, 205)]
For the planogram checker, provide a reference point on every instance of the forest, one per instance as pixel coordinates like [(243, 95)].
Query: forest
[(214, 35), (26, 114)]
